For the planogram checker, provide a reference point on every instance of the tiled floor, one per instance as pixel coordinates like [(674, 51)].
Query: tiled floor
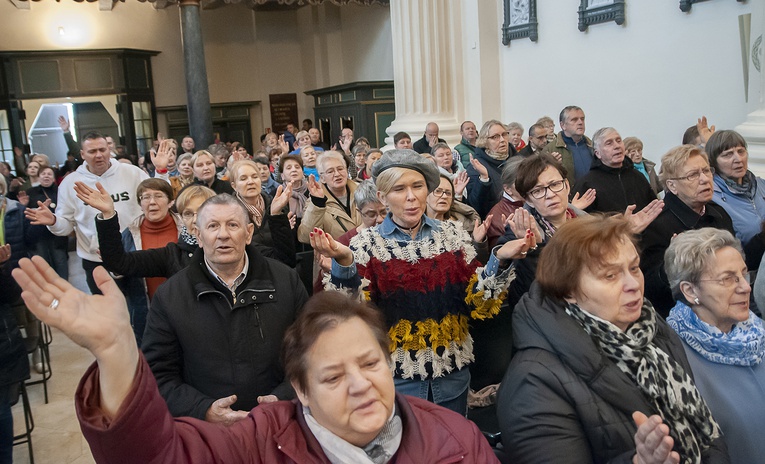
[(56, 438)]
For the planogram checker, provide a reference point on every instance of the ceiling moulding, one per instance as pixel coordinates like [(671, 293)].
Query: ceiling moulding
[(259, 5)]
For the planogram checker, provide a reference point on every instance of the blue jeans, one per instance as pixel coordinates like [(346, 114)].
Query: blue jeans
[(449, 391)]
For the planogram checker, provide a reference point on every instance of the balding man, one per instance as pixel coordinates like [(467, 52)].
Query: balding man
[(428, 140), (215, 328)]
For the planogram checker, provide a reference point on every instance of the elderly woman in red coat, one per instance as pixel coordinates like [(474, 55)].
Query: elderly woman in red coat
[(335, 356)]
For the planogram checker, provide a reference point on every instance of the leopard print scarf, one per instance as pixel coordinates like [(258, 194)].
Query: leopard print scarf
[(661, 379)]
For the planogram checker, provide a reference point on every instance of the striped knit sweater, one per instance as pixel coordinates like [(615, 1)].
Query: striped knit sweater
[(429, 290)]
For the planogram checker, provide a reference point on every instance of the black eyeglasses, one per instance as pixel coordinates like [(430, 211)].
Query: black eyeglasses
[(541, 192)]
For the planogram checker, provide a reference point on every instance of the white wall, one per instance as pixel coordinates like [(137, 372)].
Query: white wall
[(650, 78)]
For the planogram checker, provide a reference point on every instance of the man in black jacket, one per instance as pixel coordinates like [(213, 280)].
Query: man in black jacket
[(428, 140), (215, 328), (616, 182)]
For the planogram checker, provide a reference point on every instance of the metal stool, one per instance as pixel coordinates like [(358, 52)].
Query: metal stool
[(29, 422), (42, 342)]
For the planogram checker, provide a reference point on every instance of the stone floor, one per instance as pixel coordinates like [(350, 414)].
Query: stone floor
[(56, 438)]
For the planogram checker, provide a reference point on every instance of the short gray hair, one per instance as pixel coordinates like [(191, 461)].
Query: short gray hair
[(600, 134), (687, 257), (221, 200), (439, 146), (366, 192), (515, 126), (323, 156)]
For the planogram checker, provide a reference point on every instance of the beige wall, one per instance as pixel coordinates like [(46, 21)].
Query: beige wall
[(248, 55)]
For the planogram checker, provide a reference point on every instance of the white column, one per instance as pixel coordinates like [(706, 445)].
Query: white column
[(427, 67), (753, 129)]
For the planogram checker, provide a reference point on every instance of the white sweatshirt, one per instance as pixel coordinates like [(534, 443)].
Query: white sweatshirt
[(120, 180)]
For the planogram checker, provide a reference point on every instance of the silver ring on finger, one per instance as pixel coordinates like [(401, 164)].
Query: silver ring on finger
[(54, 304)]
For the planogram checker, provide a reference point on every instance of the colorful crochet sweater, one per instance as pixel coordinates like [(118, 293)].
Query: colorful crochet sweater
[(428, 290)]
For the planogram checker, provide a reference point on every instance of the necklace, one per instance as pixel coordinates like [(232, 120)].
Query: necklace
[(409, 230)]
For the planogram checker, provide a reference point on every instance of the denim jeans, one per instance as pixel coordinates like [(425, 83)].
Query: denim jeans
[(449, 391)]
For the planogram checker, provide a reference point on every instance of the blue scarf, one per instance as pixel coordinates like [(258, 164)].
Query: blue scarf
[(744, 345)]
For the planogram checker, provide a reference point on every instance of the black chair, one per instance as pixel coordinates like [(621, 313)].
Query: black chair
[(20, 392)]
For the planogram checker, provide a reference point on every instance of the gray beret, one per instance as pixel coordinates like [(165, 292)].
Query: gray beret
[(408, 159)]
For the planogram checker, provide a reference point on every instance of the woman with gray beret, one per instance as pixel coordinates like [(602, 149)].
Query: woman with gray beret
[(423, 275)]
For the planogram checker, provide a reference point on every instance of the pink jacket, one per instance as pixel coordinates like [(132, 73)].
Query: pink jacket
[(145, 432)]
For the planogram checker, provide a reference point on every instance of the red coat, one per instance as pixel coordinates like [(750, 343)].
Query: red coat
[(145, 432)]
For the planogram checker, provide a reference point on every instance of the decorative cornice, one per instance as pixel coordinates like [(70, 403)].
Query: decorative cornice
[(107, 5)]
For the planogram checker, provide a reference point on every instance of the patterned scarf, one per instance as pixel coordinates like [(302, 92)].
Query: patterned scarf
[(744, 345), (748, 187), (298, 199), (661, 379), (256, 211), (187, 238), (547, 228), (378, 451)]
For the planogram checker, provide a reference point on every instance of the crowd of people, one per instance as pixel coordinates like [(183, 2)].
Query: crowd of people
[(607, 310)]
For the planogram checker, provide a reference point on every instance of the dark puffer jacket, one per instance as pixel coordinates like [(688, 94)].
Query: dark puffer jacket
[(616, 188), (563, 401)]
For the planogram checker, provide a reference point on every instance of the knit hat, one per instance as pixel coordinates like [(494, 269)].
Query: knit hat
[(408, 159)]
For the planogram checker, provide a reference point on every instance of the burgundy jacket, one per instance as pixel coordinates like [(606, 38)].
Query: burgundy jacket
[(145, 432)]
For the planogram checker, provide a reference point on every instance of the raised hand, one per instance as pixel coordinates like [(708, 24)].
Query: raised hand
[(40, 216), (284, 145), (63, 123), (345, 144), (161, 158), (99, 323), (323, 243), (517, 249), (585, 200), (521, 221), (460, 182), (653, 445), (483, 173), (282, 198), (220, 412), (292, 217), (98, 199), (557, 156), (643, 218), (481, 228), (314, 188), (705, 131)]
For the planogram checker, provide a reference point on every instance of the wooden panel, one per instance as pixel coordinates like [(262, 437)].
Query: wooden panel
[(138, 73), (93, 74), (39, 76)]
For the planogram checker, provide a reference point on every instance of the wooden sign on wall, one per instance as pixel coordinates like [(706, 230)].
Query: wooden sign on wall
[(283, 110)]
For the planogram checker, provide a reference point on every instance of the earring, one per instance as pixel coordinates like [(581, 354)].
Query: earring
[(696, 300)]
